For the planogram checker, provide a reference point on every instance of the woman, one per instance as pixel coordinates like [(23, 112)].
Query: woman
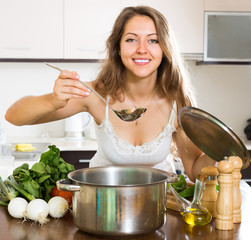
[(143, 69)]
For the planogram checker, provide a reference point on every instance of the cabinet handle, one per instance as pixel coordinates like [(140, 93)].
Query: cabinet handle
[(19, 48), (84, 160), (86, 49)]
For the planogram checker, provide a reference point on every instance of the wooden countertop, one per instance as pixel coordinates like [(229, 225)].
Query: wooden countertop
[(174, 227)]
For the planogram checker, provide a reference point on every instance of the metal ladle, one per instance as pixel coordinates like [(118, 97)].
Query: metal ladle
[(127, 115)]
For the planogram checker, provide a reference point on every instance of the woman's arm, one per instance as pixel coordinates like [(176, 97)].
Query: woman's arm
[(66, 100), (192, 157)]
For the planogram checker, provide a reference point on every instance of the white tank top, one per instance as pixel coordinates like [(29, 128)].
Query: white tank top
[(113, 150)]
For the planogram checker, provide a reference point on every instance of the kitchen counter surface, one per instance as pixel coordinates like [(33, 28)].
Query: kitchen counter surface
[(64, 144), (174, 228), (247, 143), (67, 144)]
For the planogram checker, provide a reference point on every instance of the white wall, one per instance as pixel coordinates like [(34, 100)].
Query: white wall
[(225, 92), (222, 90), (21, 79)]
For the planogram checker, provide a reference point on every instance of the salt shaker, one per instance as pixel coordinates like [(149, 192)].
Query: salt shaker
[(237, 165), (224, 203), (210, 194)]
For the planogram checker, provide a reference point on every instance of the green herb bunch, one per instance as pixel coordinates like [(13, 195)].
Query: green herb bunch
[(42, 177), (181, 187)]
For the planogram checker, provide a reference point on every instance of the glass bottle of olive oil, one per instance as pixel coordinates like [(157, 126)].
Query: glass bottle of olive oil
[(195, 214)]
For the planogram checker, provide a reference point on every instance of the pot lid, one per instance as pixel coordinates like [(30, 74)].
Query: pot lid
[(211, 135)]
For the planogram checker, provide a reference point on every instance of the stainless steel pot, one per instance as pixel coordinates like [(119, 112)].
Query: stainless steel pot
[(118, 200)]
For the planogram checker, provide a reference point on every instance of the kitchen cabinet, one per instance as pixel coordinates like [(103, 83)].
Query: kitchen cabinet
[(228, 5), (87, 25), (80, 159), (185, 18), (31, 29), (77, 29)]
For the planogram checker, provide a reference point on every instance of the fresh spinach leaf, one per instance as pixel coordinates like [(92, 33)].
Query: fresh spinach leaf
[(39, 168)]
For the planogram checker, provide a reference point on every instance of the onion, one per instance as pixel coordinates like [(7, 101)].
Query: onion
[(38, 210), (17, 207), (58, 207)]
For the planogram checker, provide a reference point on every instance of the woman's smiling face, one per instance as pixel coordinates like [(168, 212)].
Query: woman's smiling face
[(139, 47)]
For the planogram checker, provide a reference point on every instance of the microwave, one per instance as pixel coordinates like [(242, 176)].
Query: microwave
[(227, 37)]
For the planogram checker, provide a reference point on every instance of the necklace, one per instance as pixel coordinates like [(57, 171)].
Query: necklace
[(145, 105)]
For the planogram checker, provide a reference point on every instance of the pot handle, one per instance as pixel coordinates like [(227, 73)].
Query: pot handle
[(65, 185)]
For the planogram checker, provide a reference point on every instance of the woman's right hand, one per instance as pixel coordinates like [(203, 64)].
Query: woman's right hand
[(68, 87)]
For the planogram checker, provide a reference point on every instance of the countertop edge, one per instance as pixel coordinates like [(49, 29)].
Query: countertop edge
[(75, 144), (64, 144)]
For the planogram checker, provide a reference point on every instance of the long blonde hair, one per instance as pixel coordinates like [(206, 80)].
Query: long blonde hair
[(172, 79)]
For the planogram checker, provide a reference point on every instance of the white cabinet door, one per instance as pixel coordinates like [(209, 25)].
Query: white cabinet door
[(228, 5), (31, 29), (87, 25), (185, 18)]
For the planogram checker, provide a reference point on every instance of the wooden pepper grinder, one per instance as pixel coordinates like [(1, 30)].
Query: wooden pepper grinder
[(224, 203), (237, 165), (210, 194)]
